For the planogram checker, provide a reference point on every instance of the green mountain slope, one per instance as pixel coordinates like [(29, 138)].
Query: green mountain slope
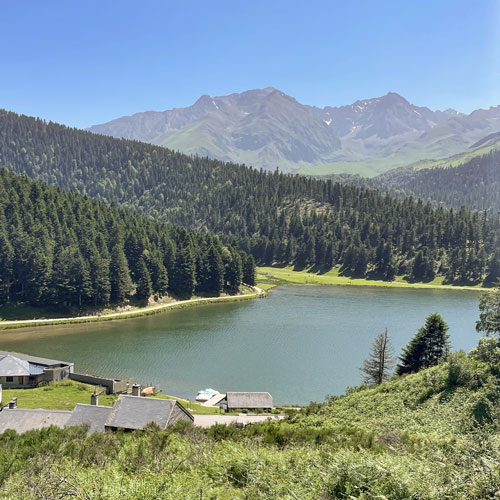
[(471, 178), (429, 436), (280, 219)]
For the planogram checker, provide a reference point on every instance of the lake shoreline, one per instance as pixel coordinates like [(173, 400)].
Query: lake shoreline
[(276, 276), (300, 344), (136, 313)]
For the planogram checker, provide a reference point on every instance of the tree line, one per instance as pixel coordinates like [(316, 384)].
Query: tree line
[(474, 184), (279, 219), (64, 249)]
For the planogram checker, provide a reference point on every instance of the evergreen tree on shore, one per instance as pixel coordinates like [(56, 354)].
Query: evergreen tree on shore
[(429, 346), (183, 282), (121, 284), (144, 287), (248, 270)]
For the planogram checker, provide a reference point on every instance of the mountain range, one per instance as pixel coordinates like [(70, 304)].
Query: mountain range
[(267, 128)]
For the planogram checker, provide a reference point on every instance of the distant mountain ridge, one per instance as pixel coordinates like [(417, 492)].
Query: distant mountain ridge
[(267, 128)]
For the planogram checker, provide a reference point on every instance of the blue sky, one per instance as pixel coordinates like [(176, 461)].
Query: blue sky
[(86, 62)]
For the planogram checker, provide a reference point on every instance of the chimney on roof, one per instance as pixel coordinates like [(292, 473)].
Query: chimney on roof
[(136, 390), (94, 399), (13, 404)]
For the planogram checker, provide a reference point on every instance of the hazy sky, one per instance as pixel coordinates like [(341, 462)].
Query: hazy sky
[(88, 61)]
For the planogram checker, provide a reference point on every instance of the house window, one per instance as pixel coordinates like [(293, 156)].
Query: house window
[(10, 379)]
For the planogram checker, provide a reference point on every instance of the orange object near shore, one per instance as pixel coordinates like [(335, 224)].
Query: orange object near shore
[(148, 391)]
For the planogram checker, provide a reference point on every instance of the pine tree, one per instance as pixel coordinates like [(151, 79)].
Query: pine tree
[(249, 270), (183, 282), (380, 361), (82, 283), (214, 279), (144, 288), (429, 346), (6, 262), (159, 276), (37, 278), (99, 276), (233, 273), (119, 276)]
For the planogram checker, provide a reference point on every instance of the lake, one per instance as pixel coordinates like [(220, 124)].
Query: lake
[(300, 343)]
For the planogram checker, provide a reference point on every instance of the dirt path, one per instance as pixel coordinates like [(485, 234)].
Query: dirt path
[(144, 310)]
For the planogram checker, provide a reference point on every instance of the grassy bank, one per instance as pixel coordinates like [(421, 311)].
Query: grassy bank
[(429, 436), (64, 395), (268, 277), (133, 312)]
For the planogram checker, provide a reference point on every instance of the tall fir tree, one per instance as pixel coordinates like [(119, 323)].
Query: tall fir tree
[(144, 287), (233, 273), (429, 346), (99, 276), (248, 276), (183, 282), (121, 284)]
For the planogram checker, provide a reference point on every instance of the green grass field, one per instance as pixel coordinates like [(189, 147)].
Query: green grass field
[(66, 394), (274, 276)]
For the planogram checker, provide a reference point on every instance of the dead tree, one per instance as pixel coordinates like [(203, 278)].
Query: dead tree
[(376, 369)]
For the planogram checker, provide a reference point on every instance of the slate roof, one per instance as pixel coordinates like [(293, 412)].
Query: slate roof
[(11, 366), (93, 415), (23, 420), (35, 359), (249, 400), (133, 412)]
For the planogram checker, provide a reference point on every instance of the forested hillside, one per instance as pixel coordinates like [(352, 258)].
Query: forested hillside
[(64, 249), (278, 218), (475, 183)]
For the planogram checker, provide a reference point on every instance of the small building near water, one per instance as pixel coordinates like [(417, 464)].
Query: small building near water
[(133, 413), (21, 370), (128, 413), (246, 401)]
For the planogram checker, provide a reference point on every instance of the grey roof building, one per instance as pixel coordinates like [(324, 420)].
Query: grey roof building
[(92, 415), (23, 420), (127, 413), (132, 412), (247, 401), (22, 370), (15, 367)]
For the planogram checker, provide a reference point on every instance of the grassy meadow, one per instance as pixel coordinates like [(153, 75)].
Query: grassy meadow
[(427, 436), (273, 276), (64, 395)]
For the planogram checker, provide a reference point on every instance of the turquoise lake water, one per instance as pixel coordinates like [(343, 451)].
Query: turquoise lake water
[(300, 343)]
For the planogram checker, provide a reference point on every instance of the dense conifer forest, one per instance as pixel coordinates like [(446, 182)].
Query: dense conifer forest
[(64, 249), (278, 218), (474, 184)]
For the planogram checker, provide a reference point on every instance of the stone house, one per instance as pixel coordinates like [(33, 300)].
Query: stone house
[(246, 401), (21, 370)]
